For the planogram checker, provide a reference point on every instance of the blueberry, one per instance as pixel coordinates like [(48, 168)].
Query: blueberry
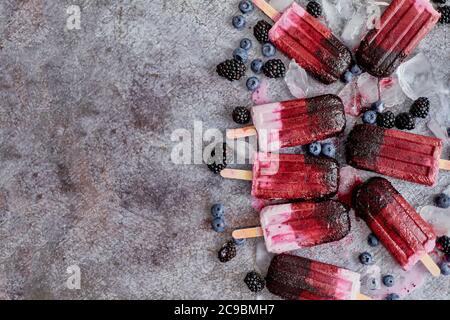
[(239, 22), (241, 55), (218, 225), (365, 258), (442, 201), (268, 50), (246, 44), (370, 117), (388, 280), (448, 131), (355, 70), (257, 65), (373, 240), (246, 6), (392, 296), (239, 242), (217, 210), (253, 83), (328, 150), (315, 148), (347, 77), (378, 106), (445, 268)]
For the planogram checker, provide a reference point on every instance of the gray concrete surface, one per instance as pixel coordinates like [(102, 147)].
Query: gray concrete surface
[(85, 172)]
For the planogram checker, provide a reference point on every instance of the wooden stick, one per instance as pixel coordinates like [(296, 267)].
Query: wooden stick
[(267, 9), (247, 233), (241, 132), (444, 164), (431, 265), (361, 296), (237, 174)]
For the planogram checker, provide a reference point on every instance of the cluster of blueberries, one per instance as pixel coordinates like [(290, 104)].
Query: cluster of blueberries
[(367, 259), (327, 149), (241, 53)]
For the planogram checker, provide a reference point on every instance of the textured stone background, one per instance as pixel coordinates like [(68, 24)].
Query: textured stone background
[(85, 173)]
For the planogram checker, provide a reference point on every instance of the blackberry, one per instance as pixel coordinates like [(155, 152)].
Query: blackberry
[(405, 121), (241, 115), (445, 14), (314, 8), (420, 108), (386, 120), (227, 252), (274, 68), (439, 1), (444, 244), (261, 31), (227, 154), (214, 166), (231, 69), (254, 281)]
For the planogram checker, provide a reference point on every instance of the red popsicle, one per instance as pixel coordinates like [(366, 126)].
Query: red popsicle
[(403, 25), (309, 42), (297, 278), (396, 223), (395, 153)]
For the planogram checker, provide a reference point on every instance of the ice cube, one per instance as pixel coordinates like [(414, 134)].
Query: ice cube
[(263, 257), (345, 9), (331, 15), (280, 5), (368, 88), (440, 118), (297, 80), (355, 28), (391, 92), (438, 218), (351, 98), (416, 77)]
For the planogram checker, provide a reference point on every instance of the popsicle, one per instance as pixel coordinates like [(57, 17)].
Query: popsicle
[(296, 278), (293, 226), (395, 153), (306, 40), (402, 26), (289, 176), (395, 222), (295, 122)]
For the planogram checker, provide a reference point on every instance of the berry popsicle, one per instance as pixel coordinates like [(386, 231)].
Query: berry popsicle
[(295, 122), (306, 40), (395, 222), (293, 226), (395, 153), (403, 25), (297, 278), (289, 176)]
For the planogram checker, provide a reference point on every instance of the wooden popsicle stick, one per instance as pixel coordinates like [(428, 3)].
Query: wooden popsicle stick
[(241, 132), (431, 265), (237, 174), (444, 164), (267, 9), (361, 296), (248, 233)]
